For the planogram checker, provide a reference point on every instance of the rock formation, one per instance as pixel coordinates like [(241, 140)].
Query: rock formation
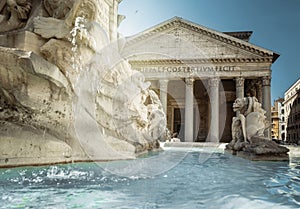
[(65, 92), (248, 128)]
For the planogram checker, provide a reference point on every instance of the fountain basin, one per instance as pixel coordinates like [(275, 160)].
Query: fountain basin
[(204, 178)]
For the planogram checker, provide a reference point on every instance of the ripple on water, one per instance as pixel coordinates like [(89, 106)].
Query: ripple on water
[(200, 180)]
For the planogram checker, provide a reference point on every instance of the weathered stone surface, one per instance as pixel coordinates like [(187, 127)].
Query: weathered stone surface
[(14, 14), (248, 139), (264, 146), (266, 157), (34, 93), (26, 145), (25, 40), (64, 90), (263, 149)]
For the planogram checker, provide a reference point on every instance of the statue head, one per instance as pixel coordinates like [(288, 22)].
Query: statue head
[(247, 105), (240, 104)]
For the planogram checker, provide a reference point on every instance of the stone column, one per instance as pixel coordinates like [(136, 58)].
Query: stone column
[(214, 109), (189, 110), (196, 120), (239, 86), (266, 101), (163, 93)]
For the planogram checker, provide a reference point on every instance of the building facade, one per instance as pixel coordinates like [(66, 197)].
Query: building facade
[(292, 113), (282, 123), (198, 73), (277, 119)]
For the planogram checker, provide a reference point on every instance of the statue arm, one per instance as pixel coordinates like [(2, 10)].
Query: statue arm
[(243, 124)]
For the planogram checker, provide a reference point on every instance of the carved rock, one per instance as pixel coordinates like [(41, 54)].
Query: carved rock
[(22, 144), (248, 127), (75, 92), (14, 14)]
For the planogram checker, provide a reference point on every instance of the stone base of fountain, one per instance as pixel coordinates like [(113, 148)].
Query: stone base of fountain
[(259, 149), (36, 116), (66, 93), (24, 40)]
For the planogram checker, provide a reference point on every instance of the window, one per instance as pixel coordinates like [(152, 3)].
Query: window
[(282, 127)]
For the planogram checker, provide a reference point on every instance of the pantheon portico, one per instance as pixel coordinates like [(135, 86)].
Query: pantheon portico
[(198, 73)]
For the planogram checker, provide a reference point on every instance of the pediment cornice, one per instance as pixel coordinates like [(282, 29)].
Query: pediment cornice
[(177, 22), (200, 61)]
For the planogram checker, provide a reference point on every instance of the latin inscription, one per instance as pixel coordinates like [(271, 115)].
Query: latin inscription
[(187, 69)]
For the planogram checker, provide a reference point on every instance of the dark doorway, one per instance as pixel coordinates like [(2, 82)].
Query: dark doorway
[(178, 123)]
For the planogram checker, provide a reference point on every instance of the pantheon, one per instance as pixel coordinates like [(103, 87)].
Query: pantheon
[(198, 73)]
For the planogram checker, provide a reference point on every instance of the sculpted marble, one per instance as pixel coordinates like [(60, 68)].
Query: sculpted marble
[(250, 119), (248, 128), (75, 90), (14, 14)]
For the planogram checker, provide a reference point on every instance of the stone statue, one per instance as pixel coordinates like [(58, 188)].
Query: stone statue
[(75, 90), (14, 14), (248, 133), (250, 120), (58, 9)]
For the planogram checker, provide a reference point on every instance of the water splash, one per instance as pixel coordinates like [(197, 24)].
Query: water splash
[(78, 32)]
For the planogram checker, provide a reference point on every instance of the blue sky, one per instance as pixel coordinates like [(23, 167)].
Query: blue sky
[(275, 25)]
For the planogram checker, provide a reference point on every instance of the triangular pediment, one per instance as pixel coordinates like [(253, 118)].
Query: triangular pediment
[(183, 40)]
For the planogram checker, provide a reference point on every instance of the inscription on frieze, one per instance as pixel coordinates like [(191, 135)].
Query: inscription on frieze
[(186, 69)]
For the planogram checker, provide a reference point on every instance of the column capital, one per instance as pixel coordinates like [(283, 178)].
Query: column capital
[(239, 81), (258, 83), (213, 82), (266, 81), (189, 81)]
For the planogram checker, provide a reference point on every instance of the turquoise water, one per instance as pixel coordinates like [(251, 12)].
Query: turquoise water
[(199, 180)]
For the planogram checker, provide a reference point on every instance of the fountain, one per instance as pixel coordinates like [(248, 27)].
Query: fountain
[(67, 95), (65, 92)]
